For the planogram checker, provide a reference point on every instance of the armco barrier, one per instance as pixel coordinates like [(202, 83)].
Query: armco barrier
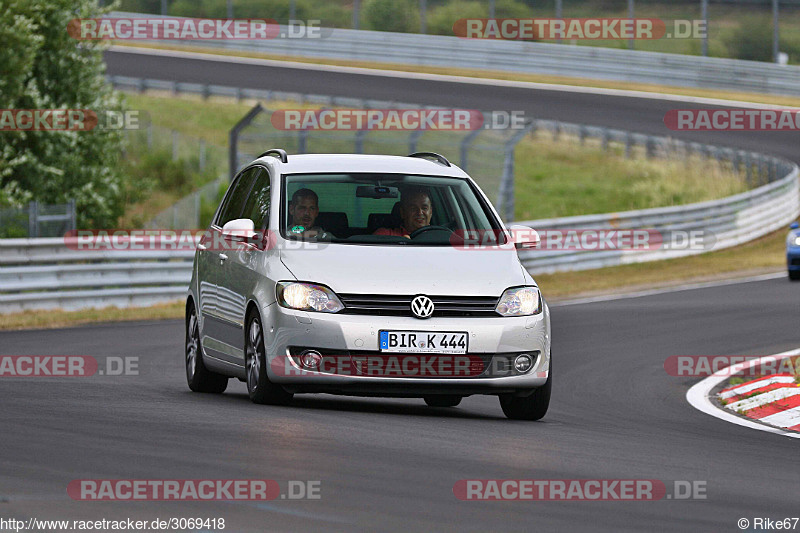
[(525, 57)]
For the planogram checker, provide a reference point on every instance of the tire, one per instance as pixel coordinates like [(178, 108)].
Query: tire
[(260, 389), (794, 275), (532, 407), (199, 378), (445, 400)]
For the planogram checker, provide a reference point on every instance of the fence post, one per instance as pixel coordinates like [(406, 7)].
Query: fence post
[(465, 147), (202, 155), (413, 139), (73, 215), (233, 139), (506, 192), (150, 135), (33, 219), (359, 146), (174, 145), (302, 141)]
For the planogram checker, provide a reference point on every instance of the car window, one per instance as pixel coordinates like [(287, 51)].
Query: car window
[(233, 205), (256, 208), (353, 207)]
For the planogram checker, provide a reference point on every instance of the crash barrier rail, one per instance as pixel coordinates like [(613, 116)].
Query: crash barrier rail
[(46, 274), (524, 57), (37, 220)]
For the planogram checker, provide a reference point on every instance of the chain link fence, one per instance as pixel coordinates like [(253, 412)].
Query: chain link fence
[(37, 220)]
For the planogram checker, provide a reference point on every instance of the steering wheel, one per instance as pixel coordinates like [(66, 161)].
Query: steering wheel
[(423, 229)]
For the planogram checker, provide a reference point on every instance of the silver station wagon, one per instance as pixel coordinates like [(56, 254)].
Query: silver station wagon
[(366, 275)]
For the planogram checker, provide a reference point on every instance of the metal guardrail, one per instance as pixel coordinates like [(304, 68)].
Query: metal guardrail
[(526, 57), (47, 274)]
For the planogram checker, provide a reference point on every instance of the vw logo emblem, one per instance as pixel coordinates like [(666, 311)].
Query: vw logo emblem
[(422, 307)]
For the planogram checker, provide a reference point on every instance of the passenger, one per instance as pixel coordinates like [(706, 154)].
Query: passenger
[(303, 211)]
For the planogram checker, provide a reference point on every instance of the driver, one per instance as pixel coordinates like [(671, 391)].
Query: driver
[(303, 211), (415, 211)]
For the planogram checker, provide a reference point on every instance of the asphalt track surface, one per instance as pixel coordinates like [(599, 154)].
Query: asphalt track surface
[(390, 464)]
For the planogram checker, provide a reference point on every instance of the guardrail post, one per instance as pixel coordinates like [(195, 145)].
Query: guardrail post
[(628, 144), (605, 140), (582, 134), (141, 85), (556, 130), (206, 91)]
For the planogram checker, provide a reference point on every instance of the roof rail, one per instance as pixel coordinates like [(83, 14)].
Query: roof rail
[(440, 158), (276, 152)]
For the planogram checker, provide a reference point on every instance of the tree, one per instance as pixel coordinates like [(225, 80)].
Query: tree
[(42, 67)]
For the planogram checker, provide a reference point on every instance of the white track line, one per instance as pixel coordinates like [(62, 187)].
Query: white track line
[(698, 395), (444, 78)]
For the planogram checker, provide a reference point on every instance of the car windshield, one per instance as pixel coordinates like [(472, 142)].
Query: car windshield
[(385, 209)]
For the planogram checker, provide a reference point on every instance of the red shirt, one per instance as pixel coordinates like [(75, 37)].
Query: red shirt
[(394, 232)]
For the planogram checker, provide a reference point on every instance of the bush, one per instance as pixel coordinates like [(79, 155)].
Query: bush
[(44, 68), (391, 15), (751, 41)]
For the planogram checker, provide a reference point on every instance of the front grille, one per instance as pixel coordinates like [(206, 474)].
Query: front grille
[(393, 305)]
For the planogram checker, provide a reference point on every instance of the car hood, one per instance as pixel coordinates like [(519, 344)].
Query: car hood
[(407, 270)]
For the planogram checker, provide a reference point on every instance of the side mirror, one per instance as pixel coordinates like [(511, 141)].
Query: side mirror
[(794, 225), (524, 237), (240, 229)]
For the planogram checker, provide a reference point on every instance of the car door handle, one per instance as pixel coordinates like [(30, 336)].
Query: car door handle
[(223, 257)]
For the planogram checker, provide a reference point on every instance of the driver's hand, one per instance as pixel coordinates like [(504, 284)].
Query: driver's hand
[(310, 234)]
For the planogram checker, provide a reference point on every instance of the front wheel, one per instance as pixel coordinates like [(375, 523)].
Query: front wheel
[(259, 387), (794, 275), (532, 407), (200, 378), (444, 400)]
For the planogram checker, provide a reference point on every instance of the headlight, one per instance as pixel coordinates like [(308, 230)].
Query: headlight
[(796, 240), (520, 301), (308, 297)]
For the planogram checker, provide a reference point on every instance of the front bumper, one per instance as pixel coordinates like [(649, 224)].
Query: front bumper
[(492, 340)]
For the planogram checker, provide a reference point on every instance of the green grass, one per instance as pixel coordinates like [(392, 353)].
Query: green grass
[(556, 179), (553, 178)]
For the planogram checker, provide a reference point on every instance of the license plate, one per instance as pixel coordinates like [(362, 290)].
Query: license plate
[(423, 342)]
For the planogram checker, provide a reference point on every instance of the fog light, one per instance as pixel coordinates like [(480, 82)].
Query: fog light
[(523, 363), (310, 359)]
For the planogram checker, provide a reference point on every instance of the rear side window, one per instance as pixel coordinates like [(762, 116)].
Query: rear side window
[(233, 205)]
